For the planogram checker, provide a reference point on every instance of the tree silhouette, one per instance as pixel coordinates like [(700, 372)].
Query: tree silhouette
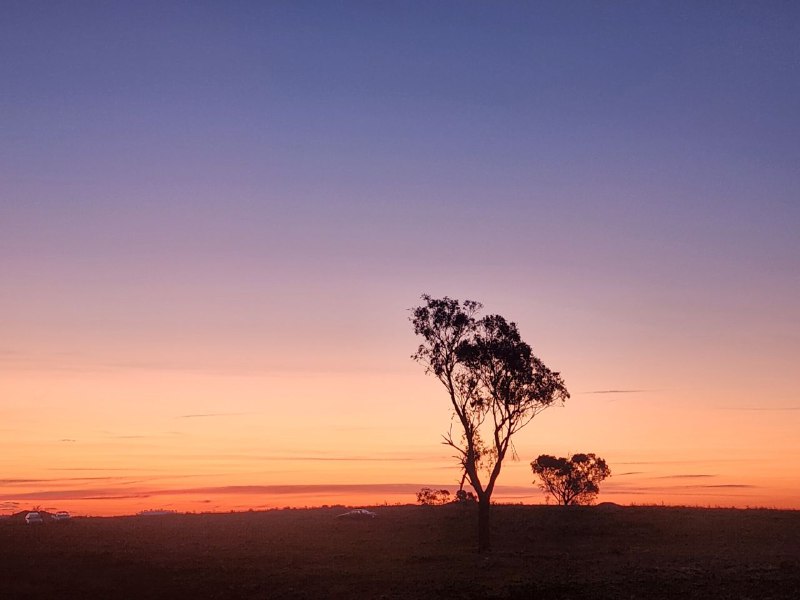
[(571, 481), (465, 497), (495, 385), (430, 497)]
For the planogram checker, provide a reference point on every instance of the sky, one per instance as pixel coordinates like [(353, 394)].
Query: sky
[(215, 217)]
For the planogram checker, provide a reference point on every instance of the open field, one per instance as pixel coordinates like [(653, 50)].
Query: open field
[(410, 552)]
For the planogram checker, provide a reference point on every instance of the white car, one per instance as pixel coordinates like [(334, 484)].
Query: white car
[(33, 518), (358, 513), (61, 515)]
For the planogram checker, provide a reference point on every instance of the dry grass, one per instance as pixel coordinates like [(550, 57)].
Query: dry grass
[(410, 552)]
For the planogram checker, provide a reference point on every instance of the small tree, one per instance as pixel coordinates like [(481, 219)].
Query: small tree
[(494, 382), (465, 497), (430, 497), (571, 481)]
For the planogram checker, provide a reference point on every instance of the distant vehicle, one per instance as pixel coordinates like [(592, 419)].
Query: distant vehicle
[(61, 515), (33, 518), (358, 513)]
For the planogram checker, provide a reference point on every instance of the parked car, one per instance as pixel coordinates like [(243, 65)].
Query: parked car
[(33, 518), (358, 513), (61, 515)]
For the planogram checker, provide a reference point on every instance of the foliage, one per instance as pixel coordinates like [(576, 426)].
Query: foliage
[(465, 497), (494, 382), (571, 481), (430, 497)]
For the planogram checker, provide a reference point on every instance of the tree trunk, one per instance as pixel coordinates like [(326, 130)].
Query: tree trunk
[(484, 542)]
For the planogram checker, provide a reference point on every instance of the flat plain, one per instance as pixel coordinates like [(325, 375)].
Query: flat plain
[(539, 552)]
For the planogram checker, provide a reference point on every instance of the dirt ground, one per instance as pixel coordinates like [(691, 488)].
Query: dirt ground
[(539, 552)]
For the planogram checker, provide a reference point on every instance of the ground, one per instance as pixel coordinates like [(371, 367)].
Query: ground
[(539, 552)]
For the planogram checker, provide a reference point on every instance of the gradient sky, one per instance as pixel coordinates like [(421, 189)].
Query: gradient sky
[(214, 217)]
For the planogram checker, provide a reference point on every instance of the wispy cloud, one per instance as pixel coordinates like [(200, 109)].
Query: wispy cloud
[(378, 458), (760, 408), (346, 488), (56, 481), (97, 493), (619, 391), (685, 476), (273, 490), (342, 458), (106, 497), (76, 469), (729, 485), (19, 481), (684, 489), (140, 489), (697, 461), (318, 490)]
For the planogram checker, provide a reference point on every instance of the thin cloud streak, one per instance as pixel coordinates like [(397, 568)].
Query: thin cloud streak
[(687, 476), (116, 479), (267, 490), (128, 497), (92, 469), (666, 490), (272, 490), (16, 482), (616, 392), (96, 493), (760, 408), (308, 457), (687, 462), (301, 489), (339, 458), (730, 485)]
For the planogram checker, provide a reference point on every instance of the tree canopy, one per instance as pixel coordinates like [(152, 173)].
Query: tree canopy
[(429, 497), (572, 480)]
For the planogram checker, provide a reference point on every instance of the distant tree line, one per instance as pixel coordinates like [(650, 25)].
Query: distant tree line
[(429, 497), (569, 481)]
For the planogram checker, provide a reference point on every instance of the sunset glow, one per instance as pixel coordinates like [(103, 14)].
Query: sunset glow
[(215, 220)]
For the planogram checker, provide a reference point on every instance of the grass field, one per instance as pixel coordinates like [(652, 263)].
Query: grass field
[(410, 552)]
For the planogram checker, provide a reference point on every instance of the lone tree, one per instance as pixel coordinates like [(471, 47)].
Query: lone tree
[(571, 481), (495, 385)]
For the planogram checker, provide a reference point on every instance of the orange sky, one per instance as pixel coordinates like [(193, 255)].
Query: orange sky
[(105, 442)]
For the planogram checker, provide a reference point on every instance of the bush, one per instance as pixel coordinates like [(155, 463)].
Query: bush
[(430, 497)]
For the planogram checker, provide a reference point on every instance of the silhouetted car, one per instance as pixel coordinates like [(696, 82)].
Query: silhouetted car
[(358, 513), (33, 518)]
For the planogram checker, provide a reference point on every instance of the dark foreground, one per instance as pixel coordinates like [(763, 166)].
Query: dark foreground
[(410, 552)]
